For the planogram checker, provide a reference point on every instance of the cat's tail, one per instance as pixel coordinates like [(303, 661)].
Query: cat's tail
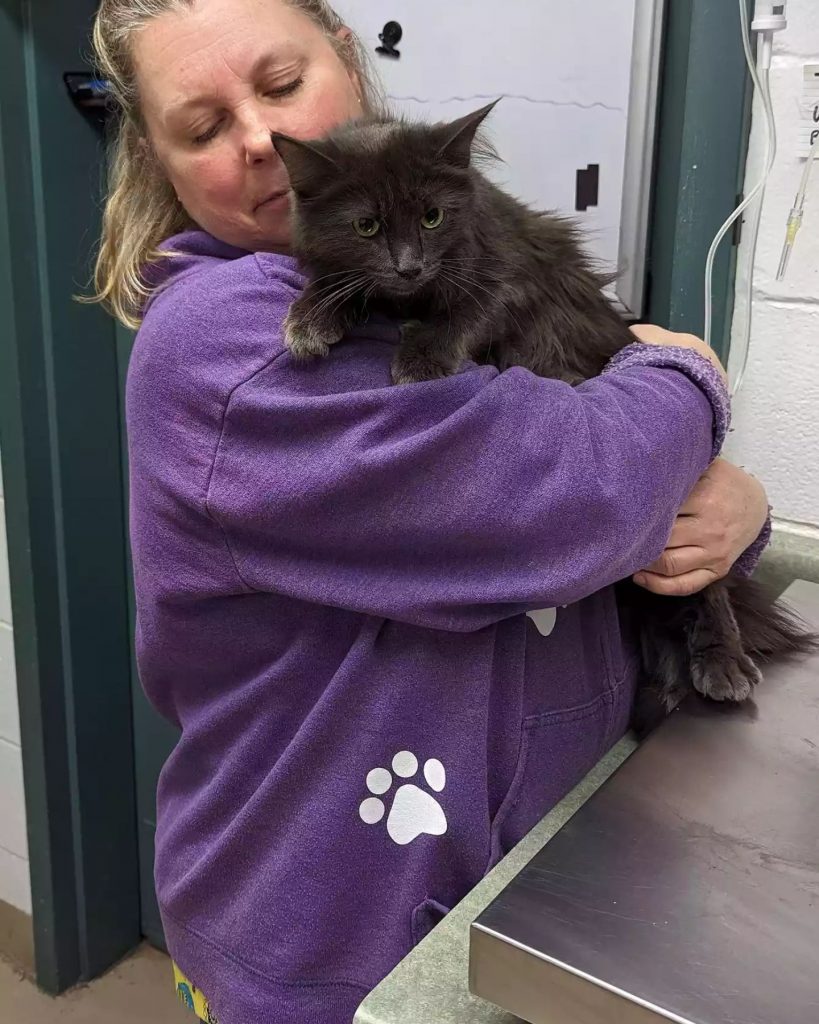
[(770, 629)]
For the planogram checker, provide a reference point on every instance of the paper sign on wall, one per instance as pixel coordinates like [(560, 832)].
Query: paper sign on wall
[(809, 110)]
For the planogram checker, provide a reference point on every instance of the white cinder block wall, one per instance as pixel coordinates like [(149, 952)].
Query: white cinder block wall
[(15, 887), (776, 414)]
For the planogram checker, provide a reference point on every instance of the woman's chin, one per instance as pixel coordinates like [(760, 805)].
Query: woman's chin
[(270, 238)]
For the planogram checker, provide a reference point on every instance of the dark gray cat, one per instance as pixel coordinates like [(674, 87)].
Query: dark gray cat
[(394, 216)]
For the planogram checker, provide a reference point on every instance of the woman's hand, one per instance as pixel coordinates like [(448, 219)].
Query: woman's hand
[(650, 334), (722, 516)]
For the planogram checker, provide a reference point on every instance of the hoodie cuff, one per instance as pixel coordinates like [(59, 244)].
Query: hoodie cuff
[(749, 559), (696, 367)]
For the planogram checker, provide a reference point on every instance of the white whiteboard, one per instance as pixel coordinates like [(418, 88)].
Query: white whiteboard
[(579, 81)]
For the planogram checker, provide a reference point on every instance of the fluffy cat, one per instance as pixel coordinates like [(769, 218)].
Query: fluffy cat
[(394, 215)]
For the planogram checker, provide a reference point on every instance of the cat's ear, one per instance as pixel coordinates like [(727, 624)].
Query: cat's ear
[(309, 164), (459, 135)]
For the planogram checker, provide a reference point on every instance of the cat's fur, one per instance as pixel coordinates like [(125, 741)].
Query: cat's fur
[(494, 282)]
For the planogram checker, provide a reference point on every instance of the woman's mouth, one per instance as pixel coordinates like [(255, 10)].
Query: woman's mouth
[(274, 199)]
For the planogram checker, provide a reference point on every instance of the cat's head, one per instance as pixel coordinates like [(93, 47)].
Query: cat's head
[(391, 200)]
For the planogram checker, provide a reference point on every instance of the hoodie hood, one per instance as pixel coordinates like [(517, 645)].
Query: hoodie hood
[(194, 252)]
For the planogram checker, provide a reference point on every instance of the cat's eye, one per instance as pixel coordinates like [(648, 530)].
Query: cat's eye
[(433, 218), (366, 226)]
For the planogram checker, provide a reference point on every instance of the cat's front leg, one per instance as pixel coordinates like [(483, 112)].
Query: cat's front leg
[(313, 325), (720, 667), (427, 352)]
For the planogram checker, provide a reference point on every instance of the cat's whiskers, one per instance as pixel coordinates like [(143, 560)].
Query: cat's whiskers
[(448, 310), (498, 270), (459, 284), (484, 258), (458, 263), (331, 291), (367, 293), (475, 259), (336, 298), (338, 273), (497, 298), (335, 285), (330, 304)]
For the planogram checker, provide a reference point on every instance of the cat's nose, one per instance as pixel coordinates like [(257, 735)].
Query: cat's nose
[(409, 265)]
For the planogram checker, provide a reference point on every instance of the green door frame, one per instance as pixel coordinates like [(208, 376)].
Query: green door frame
[(702, 139), (60, 439), (59, 434)]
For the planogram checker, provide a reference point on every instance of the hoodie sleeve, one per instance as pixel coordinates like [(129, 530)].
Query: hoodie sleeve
[(748, 561), (455, 503)]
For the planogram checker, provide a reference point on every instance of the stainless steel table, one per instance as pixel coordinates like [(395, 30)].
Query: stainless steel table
[(687, 887)]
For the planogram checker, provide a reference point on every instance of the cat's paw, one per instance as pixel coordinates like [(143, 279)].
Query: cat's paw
[(726, 678), (305, 342), (413, 369)]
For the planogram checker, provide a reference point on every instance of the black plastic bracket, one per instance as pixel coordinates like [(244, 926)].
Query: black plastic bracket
[(587, 188)]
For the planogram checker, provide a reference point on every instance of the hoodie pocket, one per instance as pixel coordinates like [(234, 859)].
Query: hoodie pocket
[(557, 749), (425, 917)]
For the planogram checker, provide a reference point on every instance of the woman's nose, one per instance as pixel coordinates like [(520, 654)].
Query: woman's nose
[(259, 145)]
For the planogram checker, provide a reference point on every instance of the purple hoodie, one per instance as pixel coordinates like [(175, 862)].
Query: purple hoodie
[(380, 615)]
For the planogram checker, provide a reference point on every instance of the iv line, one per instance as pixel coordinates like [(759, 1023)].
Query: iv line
[(761, 80)]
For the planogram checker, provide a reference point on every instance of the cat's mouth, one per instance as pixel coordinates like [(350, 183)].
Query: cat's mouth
[(403, 286)]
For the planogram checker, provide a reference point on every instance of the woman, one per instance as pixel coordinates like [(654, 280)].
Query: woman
[(381, 616)]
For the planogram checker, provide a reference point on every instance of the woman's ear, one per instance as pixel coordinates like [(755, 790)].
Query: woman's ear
[(345, 34), (149, 153)]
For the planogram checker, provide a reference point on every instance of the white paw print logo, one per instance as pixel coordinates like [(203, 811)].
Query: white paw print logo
[(544, 620), (414, 811)]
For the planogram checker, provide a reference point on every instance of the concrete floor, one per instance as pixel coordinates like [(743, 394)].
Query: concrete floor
[(137, 991)]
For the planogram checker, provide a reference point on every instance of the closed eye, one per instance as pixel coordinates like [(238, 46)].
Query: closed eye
[(286, 90), (278, 93), (206, 136)]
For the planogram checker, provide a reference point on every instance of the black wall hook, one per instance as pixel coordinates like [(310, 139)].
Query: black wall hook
[(390, 36)]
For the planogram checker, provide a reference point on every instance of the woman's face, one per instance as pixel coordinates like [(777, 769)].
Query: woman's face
[(214, 82)]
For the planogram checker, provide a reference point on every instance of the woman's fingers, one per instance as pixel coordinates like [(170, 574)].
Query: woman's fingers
[(676, 586), (720, 518), (675, 561), (687, 531)]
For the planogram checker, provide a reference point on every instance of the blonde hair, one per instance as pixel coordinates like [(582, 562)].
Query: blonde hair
[(141, 208)]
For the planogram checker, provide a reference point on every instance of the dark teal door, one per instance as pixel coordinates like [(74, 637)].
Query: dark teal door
[(154, 738), (60, 433)]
